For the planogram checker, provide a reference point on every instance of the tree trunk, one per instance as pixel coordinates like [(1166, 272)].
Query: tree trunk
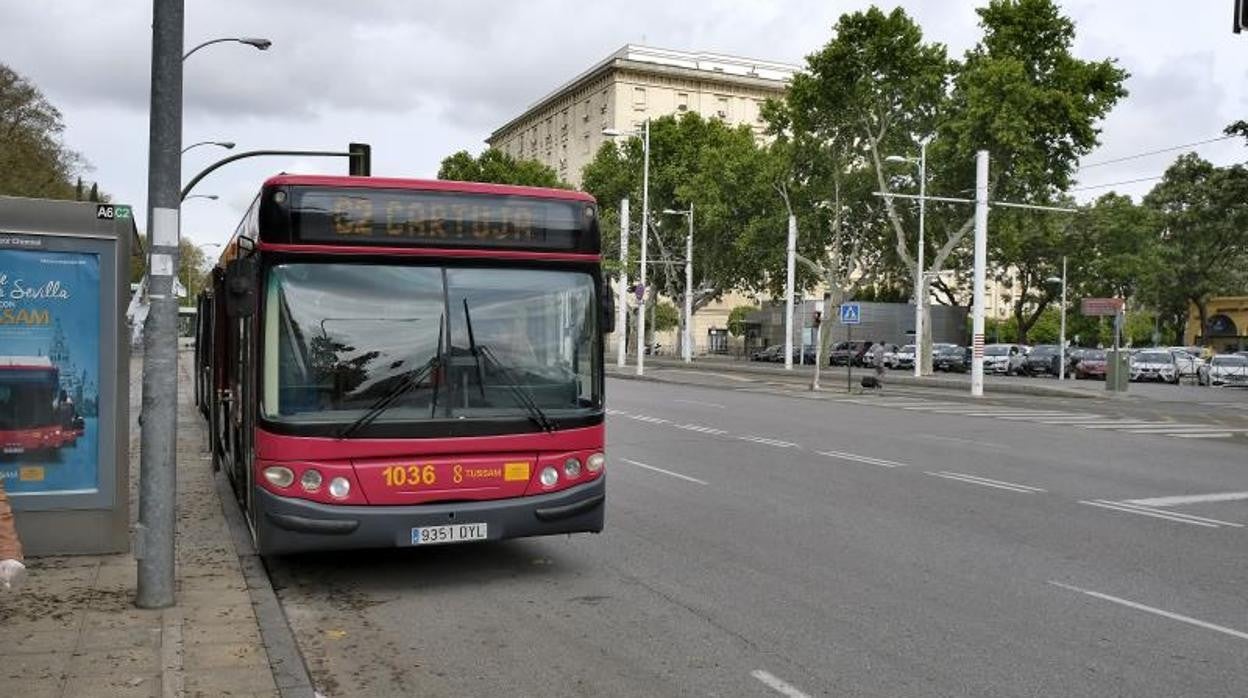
[(1202, 311)]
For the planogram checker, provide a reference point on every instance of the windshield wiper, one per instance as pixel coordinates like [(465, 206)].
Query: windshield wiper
[(408, 383), (522, 395)]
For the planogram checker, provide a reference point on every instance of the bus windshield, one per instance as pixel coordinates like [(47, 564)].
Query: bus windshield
[(26, 398), (428, 342)]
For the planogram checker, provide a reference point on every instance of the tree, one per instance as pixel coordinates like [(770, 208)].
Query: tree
[(736, 319), (497, 167), (720, 171), (1203, 242), (33, 160), (666, 317)]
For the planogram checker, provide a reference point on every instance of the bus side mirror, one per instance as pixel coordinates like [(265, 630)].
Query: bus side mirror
[(240, 287), (607, 322)]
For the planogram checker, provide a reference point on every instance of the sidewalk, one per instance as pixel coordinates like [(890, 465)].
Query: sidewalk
[(73, 629), (832, 375)]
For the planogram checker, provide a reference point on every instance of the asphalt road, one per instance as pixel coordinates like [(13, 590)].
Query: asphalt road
[(763, 544)]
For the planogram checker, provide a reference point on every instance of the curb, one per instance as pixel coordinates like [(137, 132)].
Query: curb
[(290, 672), (898, 380)]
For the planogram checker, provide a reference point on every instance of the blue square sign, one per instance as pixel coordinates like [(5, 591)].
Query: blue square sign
[(851, 314)]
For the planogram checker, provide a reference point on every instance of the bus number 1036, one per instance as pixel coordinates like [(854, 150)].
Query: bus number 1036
[(400, 475)]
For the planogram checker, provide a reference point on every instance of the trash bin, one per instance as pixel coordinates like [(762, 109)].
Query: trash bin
[(1117, 371)]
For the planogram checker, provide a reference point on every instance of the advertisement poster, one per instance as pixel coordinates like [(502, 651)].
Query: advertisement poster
[(49, 371)]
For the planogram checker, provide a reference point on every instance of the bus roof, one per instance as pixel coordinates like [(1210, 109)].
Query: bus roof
[(25, 362), (428, 185)]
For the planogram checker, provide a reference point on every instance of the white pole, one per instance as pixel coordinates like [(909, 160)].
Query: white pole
[(788, 295), (621, 310), (645, 235), (688, 338), (1061, 350), (920, 283), (981, 263)]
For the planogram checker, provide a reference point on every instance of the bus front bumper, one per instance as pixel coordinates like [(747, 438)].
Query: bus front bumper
[(287, 525)]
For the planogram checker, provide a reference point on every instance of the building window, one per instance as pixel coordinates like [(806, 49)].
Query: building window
[(603, 108), (722, 109), (682, 101), (639, 98), (585, 144), (585, 114)]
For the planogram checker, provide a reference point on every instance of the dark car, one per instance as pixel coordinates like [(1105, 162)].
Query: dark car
[(845, 353), (951, 358), (1091, 364), (774, 352), (1043, 359)]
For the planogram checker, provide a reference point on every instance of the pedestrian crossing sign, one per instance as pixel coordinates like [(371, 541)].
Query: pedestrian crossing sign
[(851, 314)]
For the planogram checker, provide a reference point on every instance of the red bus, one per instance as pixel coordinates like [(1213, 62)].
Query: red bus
[(395, 362), (30, 414)]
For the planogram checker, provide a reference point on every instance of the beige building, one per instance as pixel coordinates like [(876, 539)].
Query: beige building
[(564, 129)]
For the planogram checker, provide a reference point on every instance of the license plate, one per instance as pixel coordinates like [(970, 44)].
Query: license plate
[(455, 533), (14, 449)]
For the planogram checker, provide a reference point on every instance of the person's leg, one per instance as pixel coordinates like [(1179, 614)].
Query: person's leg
[(10, 546)]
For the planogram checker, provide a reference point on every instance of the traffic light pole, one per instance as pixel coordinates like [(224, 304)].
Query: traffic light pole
[(360, 164)]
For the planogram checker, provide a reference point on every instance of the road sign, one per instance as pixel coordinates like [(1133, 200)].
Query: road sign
[(1101, 306), (851, 314)]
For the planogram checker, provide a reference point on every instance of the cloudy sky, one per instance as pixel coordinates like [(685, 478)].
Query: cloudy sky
[(420, 80)]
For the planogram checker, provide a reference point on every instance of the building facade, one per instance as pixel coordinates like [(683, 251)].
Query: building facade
[(565, 128)]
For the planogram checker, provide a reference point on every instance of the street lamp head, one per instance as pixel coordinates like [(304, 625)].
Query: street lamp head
[(674, 212), (898, 158), (262, 44), (1053, 280), (228, 145), (612, 132)]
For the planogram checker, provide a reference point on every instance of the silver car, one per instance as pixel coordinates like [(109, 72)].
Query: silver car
[(1154, 365), (1225, 369), (1007, 359)]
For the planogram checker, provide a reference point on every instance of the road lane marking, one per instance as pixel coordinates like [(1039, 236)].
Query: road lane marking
[(1142, 512), (665, 472), (985, 482), (716, 405), (862, 459), (701, 429), (768, 442), (1179, 428), (778, 685), (1181, 515), (954, 439), (1188, 499), (1155, 611), (646, 418), (1210, 435), (1128, 424)]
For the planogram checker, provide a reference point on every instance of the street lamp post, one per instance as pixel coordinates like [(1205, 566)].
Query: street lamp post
[(920, 279), (645, 235), (261, 44), (686, 339), (221, 144), (1061, 345)]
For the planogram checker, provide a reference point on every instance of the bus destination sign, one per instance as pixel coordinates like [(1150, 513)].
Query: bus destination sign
[(412, 217)]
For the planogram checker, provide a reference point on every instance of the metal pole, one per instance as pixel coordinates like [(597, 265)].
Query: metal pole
[(821, 307), (1061, 350), (159, 416), (981, 263), (645, 235), (788, 295), (688, 338), (920, 282), (621, 310)]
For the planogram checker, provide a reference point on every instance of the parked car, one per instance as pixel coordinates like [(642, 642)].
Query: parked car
[(846, 352), (1006, 359), (1092, 363), (951, 358), (1186, 361), (1044, 358), (1224, 369), (1154, 365), (774, 352), (890, 354), (904, 358)]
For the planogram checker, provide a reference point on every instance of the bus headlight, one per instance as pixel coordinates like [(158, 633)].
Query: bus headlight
[(549, 476), (595, 462), (572, 468), (279, 476), (311, 480)]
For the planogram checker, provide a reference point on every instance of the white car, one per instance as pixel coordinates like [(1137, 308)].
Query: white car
[(904, 357), (1225, 369), (1154, 365), (1187, 363), (1006, 359)]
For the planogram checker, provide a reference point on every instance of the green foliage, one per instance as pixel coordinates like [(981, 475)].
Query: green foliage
[(736, 319), (496, 167), (666, 317), (33, 160), (718, 170)]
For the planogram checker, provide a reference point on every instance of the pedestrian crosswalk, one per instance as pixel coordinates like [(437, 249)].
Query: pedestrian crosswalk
[(1079, 419)]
